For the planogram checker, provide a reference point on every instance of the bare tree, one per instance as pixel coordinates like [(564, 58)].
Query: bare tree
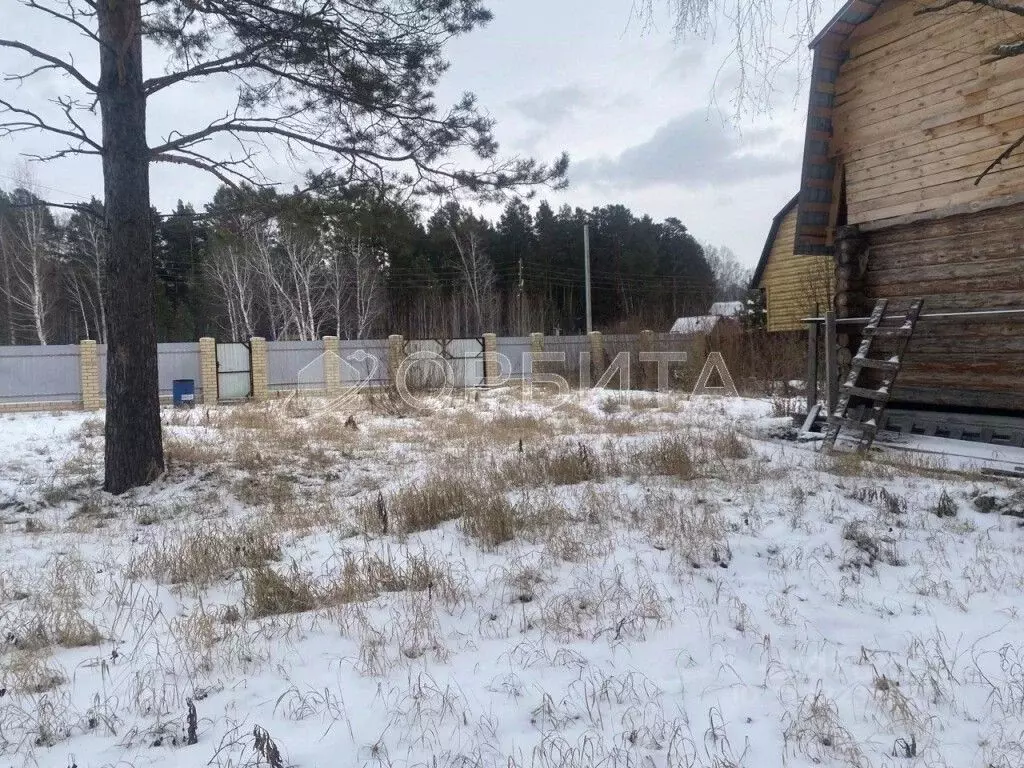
[(731, 277), (85, 249), (348, 80), (29, 262), (233, 271), (294, 266), (367, 286), (6, 269), (475, 267)]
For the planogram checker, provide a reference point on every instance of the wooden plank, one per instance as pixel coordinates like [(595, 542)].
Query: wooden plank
[(905, 218), (889, 24), (942, 82), (831, 363), (954, 111), (913, 181), (959, 397), (915, 143), (870, 394), (854, 424), (935, 188), (962, 201), (880, 365), (942, 231), (928, 36)]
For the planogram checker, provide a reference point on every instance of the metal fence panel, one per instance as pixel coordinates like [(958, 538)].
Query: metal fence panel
[(363, 361), (175, 360), (295, 365), (466, 357), (571, 347), (40, 374), (516, 349)]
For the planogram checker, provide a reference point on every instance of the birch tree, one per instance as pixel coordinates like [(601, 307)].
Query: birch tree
[(29, 264), (475, 267), (367, 287), (85, 268), (235, 277), (294, 266)]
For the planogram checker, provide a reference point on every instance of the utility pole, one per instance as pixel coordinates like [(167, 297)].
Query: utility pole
[(586, 272)]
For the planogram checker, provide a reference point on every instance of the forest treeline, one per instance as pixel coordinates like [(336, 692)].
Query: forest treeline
[(357, 264)]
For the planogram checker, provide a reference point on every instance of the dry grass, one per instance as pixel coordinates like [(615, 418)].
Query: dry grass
[(265, 592), (355, 578), (201, 556), (436, 500), (559, 465), (669, 455), (817, 732), (30, 673), (52, 610)]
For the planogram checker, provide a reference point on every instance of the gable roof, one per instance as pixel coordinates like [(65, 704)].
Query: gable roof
[(688, 326), (726, 308), (766, 252), (818, 173)]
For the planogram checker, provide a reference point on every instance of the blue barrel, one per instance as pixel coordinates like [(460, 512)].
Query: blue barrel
[(183, 392)]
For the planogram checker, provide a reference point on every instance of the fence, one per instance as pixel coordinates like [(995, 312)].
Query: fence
[(74, 377)]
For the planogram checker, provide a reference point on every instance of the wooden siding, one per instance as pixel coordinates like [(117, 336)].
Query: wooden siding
[(793, 284), (917, 116), (960, 263)]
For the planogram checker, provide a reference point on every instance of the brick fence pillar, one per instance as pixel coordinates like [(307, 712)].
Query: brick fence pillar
[(260, 372), (492, 369), (208, 369), (89, 361), (396, 353), (332, 366)]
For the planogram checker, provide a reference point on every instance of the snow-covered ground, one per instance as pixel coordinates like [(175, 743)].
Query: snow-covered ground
[(620, 580)]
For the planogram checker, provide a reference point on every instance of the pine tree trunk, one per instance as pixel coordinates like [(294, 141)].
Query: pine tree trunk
[(134, 451)]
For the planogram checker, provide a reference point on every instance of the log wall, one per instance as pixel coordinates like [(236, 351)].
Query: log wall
[(918, 115), (959, 263)]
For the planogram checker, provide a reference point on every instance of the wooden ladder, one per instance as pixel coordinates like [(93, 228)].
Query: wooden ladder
[(868, 419)]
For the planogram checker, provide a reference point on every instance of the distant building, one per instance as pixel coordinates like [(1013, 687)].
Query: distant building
[(793, 285), (726, 309)]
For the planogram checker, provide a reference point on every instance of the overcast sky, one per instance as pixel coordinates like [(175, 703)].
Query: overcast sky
[(633, 107)]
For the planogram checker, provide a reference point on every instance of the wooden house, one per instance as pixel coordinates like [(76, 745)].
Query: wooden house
[(793, 285), (909, 112)]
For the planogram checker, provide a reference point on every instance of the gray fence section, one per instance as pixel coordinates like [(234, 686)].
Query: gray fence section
[(178, 361), (174, 361), (295, 365), (363, 361), (572, 347), (50, 374), (519, 365)]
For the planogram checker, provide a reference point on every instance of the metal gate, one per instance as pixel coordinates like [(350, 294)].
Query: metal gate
[(234, 371), (463, 359)]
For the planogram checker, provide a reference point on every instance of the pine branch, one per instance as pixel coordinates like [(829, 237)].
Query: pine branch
[(71, 17), (53, 61), (34, 122)]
